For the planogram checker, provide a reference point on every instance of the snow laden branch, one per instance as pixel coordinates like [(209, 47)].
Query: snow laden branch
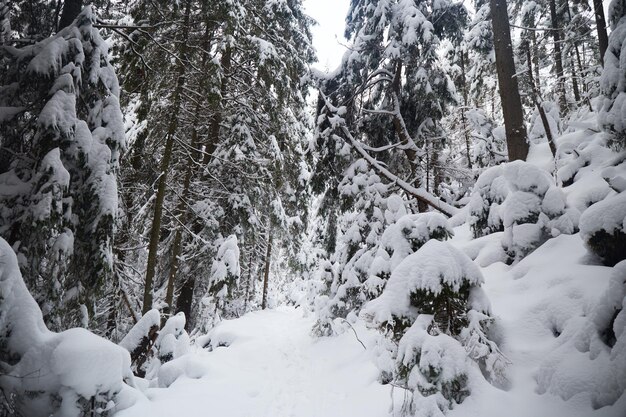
[(338, 122)]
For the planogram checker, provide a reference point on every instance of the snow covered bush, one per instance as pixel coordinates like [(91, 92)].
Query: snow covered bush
[(488, 148), (612, 114), (219, 300), (366, 272), (597, 345), (435, 310), (521, 200), (603, 228), (61, 132), (140, 339), (487, 196), (43, 373)]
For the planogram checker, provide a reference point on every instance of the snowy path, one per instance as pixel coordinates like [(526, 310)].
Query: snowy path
[(273, 368)]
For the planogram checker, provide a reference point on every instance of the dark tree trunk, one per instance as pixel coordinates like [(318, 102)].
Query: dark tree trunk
[(266, 273), (558, 57), (536, 97), (71, 9), (178, 235), (155, 232), (507, 81), (185, 300), (463, 118), (603, 39)]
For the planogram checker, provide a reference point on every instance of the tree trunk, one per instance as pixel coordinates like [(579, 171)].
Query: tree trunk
[(155, 232), (185, 300), (603, 39), (248, 282), (403, 135), (178, 235), (71, 9), (266, 273), (463, 118), (182, 207), (539, 103), (216, 120), (509, 91), (5, 22), (575, 82), (558, 57)]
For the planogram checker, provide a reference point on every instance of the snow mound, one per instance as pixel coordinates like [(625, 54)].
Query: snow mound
[(603, 228), (590, 359), (74, 366)]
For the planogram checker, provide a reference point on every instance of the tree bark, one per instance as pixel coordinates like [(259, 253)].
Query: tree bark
[(155, 232), (539, 103), (178, 235), (463, 118), (603, 39), (248, 281), (509, 90), (558, 57), (216, 120), (266, 273), (71, 9)]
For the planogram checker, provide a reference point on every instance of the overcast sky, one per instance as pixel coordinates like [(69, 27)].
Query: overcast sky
[(327, 35)]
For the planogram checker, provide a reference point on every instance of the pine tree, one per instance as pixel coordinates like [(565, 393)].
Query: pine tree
[(62, 95)]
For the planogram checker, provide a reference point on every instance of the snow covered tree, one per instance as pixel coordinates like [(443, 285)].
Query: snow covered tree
[(62, 134), (78, 373), (219, 300), (520, 199), (431, 305), (613, 81), (237, 146)]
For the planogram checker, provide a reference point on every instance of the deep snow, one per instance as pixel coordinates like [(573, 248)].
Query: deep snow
[(273, 367)]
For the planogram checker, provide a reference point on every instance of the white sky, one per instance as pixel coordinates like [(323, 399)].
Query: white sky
[(328, 34)]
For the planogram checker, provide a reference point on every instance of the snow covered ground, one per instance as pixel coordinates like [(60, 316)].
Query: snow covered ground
[(273, 367)]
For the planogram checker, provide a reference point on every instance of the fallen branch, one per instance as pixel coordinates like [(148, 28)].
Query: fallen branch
[(355, 333)]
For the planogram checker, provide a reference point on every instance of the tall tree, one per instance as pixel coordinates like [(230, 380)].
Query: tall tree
[(507, 80), (603, 39), (60, 143)]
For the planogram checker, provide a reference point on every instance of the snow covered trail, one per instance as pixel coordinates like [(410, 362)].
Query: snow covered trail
[(275, 368)]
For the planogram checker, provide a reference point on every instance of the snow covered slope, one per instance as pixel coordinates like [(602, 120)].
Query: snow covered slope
[(272, 367)]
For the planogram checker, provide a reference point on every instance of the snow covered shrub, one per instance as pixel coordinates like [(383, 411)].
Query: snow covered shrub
[(521, 200), (219, 301), (140, 339), (410, 232), (603, 228), (612, 114), (42, 373), (434, 308), (488, 194), (596, 344), (61, 135), (321, 304), (366, 273), (487, 149)]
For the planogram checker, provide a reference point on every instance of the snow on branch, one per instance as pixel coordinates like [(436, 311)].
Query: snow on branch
[(420, 194)]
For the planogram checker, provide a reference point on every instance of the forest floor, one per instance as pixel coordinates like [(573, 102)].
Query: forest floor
[(271, 365)]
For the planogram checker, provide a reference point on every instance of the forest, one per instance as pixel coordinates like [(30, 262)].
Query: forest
[(196, 220)]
